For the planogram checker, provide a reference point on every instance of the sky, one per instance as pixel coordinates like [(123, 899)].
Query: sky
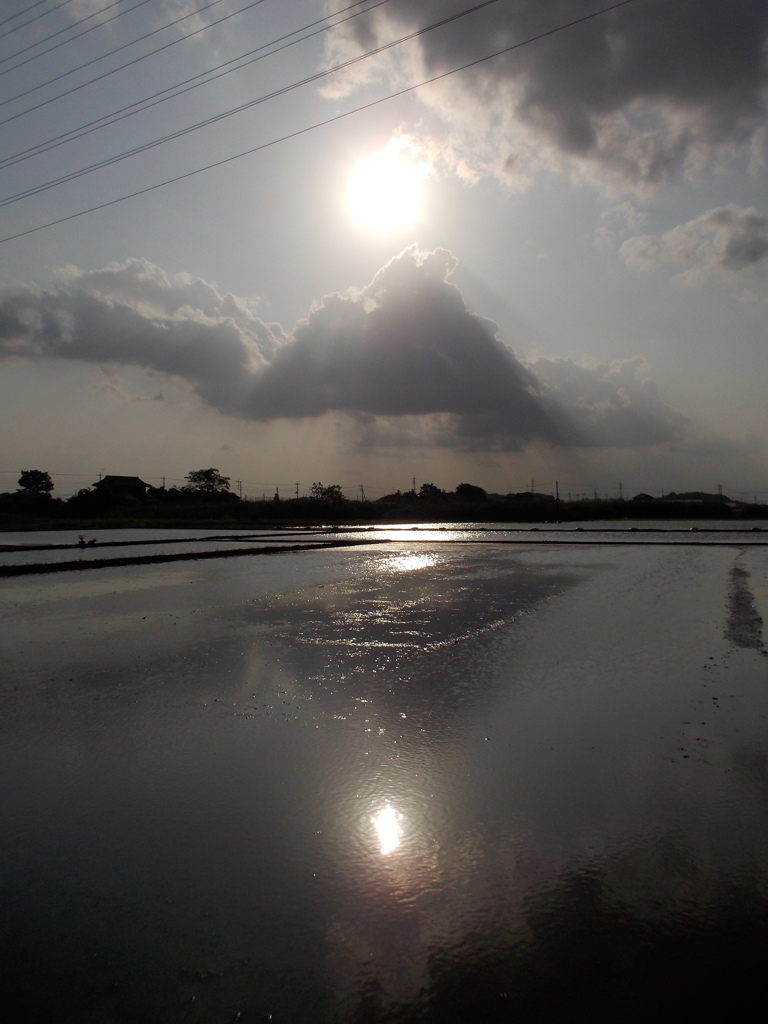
[(509, 243)]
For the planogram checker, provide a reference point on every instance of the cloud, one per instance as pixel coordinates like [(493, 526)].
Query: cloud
[(110, 383), (615, 223), (135, 314), (726, 240), (403, 358), (607, 405), (406, 344), (633, 97)]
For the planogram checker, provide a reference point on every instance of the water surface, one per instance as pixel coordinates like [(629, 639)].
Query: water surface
[(412, 781)]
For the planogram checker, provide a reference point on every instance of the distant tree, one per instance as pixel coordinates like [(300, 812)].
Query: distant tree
[(83, 494), (34, 483), (208, 481), (328, 493), (429, 491), (470, 492)]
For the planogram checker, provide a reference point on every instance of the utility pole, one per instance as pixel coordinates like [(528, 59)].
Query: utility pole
[(297, 488), (362, 494), (557, 492), (621, 491), (414, 483), (239, 487)]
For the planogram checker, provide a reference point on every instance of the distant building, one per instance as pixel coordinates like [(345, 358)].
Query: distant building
[(643, 497), (121, 488)]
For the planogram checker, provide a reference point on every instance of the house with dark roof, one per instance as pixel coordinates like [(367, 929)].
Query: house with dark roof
[(121, 488)]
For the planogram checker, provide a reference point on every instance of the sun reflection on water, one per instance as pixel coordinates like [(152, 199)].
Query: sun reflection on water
[(386, 822), (408, 561)]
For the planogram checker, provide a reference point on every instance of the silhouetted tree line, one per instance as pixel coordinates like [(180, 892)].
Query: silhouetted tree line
[(206, 495)]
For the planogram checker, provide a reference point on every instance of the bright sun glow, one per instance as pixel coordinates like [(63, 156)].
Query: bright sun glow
[(384, 191), (387, 828)]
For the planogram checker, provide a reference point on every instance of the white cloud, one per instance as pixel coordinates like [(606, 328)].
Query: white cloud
[(728, 240)]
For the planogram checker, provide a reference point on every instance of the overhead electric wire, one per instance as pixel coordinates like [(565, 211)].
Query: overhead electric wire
[(58, 32), (25, 10), (42, 147), (64, 42), (179, 88), (318, 124), (124, 46), (37, 17), (72, 175)]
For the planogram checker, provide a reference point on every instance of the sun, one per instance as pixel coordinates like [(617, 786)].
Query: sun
[(384, 191)]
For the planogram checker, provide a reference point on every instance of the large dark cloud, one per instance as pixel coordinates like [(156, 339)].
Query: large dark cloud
[(406, 344), (403, 350), (632, 96)]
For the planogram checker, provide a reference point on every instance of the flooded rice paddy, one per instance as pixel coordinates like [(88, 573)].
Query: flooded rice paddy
[(442, 775)]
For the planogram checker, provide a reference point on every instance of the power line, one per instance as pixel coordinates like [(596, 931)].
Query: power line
[(138, 106), (37, 17), (130, 63), (318, 124), (71, 39), (110, 53), (117, 158)]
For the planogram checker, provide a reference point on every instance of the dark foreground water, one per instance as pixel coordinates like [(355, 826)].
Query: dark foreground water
[(417, 782)]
